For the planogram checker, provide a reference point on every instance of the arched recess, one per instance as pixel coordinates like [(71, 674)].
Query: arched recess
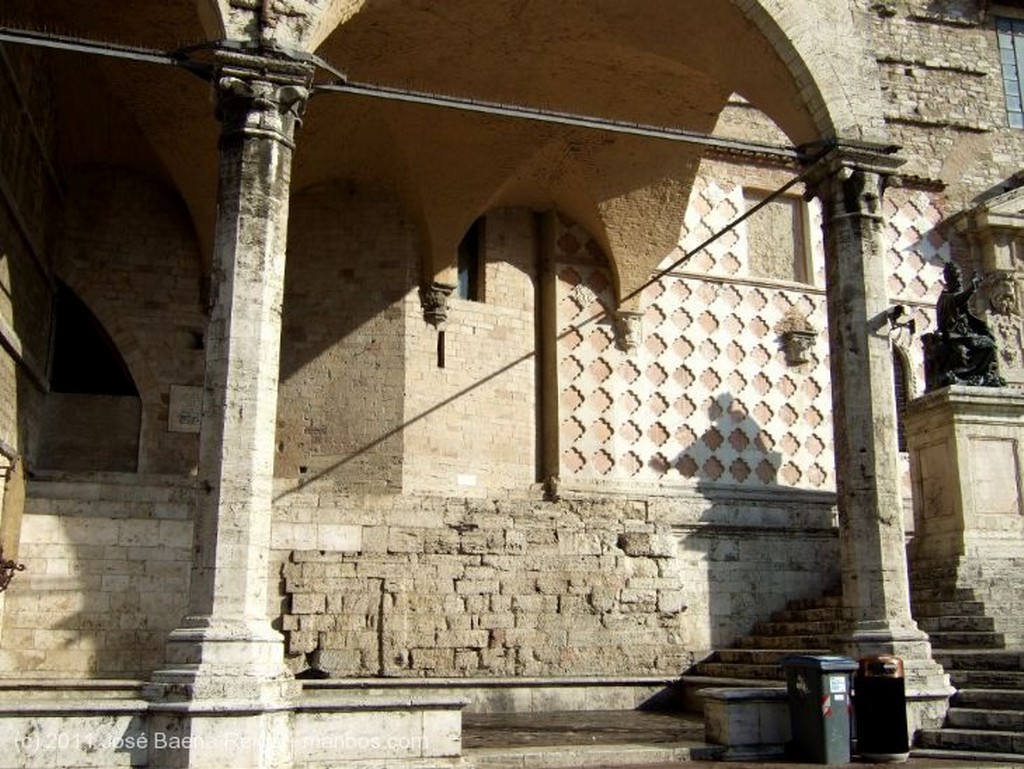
[(128, 249), (92, 414), (821, 45)]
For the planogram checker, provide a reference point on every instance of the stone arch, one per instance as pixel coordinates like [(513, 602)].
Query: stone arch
[(839, 84), (129, 251)]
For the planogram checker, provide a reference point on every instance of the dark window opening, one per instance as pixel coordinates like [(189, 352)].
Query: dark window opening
[(470, 262), (85, 358)]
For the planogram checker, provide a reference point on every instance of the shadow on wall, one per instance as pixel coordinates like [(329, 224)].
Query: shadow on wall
[(732, 449), (107, 552), (759, 543), (351, 261)]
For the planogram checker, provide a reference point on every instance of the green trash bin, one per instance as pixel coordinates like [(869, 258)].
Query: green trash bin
[(818, 689)]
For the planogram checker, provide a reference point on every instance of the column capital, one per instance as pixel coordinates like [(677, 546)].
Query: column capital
[(259, 94), (854, 176)]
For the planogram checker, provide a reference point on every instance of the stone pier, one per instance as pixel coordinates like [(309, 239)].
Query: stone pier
[(875, 583)]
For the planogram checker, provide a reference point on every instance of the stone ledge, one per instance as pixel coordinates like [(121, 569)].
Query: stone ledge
[(514, 695)]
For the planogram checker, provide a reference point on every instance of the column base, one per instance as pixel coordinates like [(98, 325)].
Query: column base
[(224, 698), (926, 683)]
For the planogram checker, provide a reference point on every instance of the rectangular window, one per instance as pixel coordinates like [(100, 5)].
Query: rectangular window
[(776, 238), (470, 258), (1011, 57)]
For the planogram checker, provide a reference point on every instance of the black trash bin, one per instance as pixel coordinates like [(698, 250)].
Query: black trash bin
[(880, 707), (819, 706)]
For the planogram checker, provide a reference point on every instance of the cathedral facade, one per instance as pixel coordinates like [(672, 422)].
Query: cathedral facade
[(514, 347)]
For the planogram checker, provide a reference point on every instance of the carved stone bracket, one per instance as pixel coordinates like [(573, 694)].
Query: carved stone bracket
[(629, 333), (434, 301), (798, 337)]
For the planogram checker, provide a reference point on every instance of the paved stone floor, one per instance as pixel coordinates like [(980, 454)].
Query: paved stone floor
[(563, 740)]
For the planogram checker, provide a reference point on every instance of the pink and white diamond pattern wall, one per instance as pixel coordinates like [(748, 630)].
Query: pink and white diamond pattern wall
[(708, 396)]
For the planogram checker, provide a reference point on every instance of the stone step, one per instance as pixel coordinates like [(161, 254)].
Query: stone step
[(815, 629), (828, 601), (795, 644), (758, 656), (582, 739), (948, 608), (965, 639), (741, 671), (975, 740), (994, 699), (969, 758), (807, 615), (977, 718), (589, 756), (986, 679), (925, 592), (980, 659), (112, 487), (956, 623)]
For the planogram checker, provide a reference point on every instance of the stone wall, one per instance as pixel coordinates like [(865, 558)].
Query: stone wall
[(28, 192), (107, 570), (471, 423), (619, 585), (942, 84)]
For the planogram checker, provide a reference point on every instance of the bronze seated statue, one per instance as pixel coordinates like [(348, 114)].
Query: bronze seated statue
[(962, 350)]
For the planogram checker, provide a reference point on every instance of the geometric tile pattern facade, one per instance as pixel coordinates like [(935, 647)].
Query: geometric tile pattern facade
[(917, 254), (707, 396)]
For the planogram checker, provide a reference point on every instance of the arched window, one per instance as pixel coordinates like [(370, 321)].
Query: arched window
[(901, 379)]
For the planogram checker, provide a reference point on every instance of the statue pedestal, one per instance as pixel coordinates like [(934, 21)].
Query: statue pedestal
[(966, 457)]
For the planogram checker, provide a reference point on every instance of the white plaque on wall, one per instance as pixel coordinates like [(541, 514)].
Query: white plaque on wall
[(185, 413)]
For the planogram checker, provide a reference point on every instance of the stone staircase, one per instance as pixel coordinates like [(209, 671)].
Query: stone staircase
[(806, 626), (986, 715)]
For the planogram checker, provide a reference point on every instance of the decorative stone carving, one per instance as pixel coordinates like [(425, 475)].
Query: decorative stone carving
[(798, 337), (256, 106), (1000, 293), (7, 569), (434, 301), (628, 330), (963, 349)]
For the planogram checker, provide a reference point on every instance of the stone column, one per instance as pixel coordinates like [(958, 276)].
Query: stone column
[(549, 459), (875, 583), (225, 691)]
